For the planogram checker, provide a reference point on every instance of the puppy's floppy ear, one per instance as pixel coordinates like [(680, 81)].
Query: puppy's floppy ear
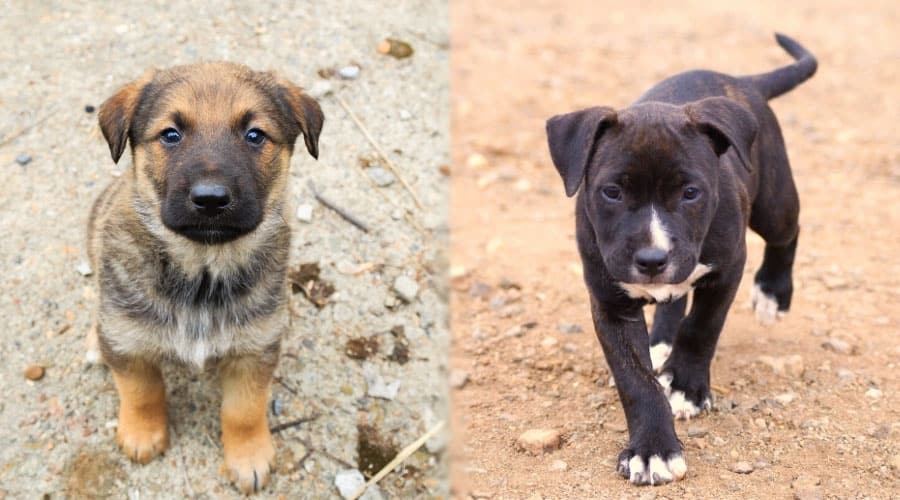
[(727, 123), (307, 113), (117, 112), (571, 138)]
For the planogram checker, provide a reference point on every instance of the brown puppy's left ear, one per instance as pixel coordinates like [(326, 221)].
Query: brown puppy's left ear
[(727, 123), (308, 115), (117, 112)]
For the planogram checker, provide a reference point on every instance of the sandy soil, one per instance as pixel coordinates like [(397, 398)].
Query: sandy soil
[(812, 421), (56, 434)]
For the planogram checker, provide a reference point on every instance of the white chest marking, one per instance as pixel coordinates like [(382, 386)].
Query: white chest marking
[(668, 292)]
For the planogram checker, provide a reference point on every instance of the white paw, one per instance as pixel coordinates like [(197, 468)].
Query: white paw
[(765, 306), (659, 353), (658, 471), (683, 408)]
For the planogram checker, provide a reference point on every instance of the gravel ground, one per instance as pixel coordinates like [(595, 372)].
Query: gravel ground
[(57, 433)]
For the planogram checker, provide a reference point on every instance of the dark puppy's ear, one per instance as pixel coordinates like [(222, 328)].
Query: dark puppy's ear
[(116, 113), (571, 138), (727, 123), (307, 113)]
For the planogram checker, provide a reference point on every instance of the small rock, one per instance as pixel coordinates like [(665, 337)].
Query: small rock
[(84, 269), (742, 468), (23, 159), (845, 374), (539, 441), (406, 288), (405, 115), (559, 466), (569, 328), (476, 160), (835, 282), (395, 48), (479, 290), (792, 365), (874, 393), (695, 431), (277, 407), (34, 372), (381, 177), (89, 108), (349, 72), (516, 331), (348, 482), (305, 213), (321, 89), (549, 342), (377, 387), (458, 379), (786, 398), (839, 346)]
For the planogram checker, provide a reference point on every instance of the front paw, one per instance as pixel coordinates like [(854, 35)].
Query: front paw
[(249, 460), (142, 436), (653, 465), (687, 400)]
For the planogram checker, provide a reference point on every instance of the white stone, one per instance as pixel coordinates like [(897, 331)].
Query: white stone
[(348, 482), (305, 213), (406, 288)]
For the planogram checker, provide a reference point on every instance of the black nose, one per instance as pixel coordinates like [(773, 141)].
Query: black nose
[(651, 260), (210, 199)]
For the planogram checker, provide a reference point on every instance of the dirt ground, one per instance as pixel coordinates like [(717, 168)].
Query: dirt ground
[(810, 403), (335, 412)]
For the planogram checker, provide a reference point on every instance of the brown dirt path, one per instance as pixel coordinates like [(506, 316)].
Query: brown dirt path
[(822, 422)]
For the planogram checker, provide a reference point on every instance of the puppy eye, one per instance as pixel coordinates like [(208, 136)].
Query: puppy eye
[(691, 193), (612, 193), (170, 136), (255, 136)]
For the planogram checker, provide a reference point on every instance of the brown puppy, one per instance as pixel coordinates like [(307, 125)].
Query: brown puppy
[(190, 247)]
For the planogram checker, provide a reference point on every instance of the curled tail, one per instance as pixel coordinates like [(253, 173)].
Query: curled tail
[(775, 83)]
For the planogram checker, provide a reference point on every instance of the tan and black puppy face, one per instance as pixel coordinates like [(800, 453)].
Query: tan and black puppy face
[(211, 144)]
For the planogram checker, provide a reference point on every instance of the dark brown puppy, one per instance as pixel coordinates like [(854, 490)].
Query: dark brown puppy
[(190, 247), (670, 185)]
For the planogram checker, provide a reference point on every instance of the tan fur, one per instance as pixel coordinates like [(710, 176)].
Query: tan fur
[(141, 322), (142, 431)]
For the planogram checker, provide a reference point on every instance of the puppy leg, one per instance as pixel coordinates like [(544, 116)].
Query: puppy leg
[(249, 452), (773, 284), (774, 216), (685, 376), (142, 431), (654, 454), (666, 320)]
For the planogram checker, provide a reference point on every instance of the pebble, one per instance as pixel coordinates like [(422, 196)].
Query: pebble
[(84, 269), (874, 393), (89, 108), (549, 342), (742, 468), (458, 378), (377, 387), (348, 482), (320, 89), (381, 177), (786, 398), (695, 431), (349, 72), (559, 466), (305, 213), (23, 159), (34, 372), (539, 441), (792, 365), (406, 288), (569, 328), (277, 407), (839, 346), (405, 115)]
